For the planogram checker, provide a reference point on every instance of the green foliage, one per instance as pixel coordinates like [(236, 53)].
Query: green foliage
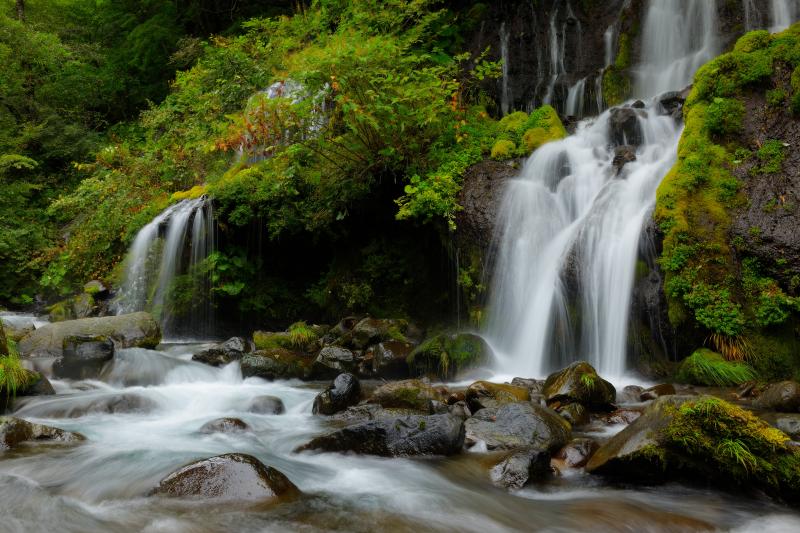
[(724, 116), (705, 367), (301, 335), (771, 154), (445, 355), (503, 149), (776, 97), (13, 376)]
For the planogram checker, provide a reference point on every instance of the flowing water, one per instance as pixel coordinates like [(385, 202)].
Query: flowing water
[(102, 484)]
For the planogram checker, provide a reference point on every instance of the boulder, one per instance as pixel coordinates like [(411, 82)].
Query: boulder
[(39, 385), (266, 405), (83, 306), (278, 363), (578, 452), (445, 355), (224, 353), (622, 416), (520, 467), (14, 431), (399, 436), (389, 359), (230, 477), (574, 413), (127, 331), (622, 156), (332, 361), (672, 103), (83, 356), (224, 425), (370, 331), (579, 383), (624, 127), (630, 394), (483, 394), (518, 425), (343, 392), (657, 391), (783, 396), (413, 394), (534, 386)]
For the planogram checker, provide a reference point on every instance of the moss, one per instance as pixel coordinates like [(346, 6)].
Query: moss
[(447, 354), (705, 367), (771, 155), (267, 340), (542, 126), (301, 335), (776, 98), (192, 194), (724, 116), (616, 86), (623, 59), (503, 149), (513, 122)]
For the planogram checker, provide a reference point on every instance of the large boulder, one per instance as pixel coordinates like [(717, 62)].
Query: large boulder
[(624, 127), (276, 363), (519, 467), (445, 355), (224, 353), (230, 477), (266, 405), (783, 396), (483, 394), (332, 361), (518, 425), (127, 331), (399, 436), (702, 438), (413, 394), (14, 431), (369, 331), (579, 383), (389, 359), (338, 396), (83, 356)]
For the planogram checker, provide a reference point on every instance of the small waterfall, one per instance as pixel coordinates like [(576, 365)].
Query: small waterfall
[(569, 227), (574, 104), (608, 46), (782, 14), (173, 244), (505, 95)]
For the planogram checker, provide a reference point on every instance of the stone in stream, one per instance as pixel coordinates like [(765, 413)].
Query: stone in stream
[(14, 431), (520, 467), (231, 477), (783, 396), (624, 127), (630, 394), (224, 353), (276, 363), (483, 394), (657, 391), (518, 425), (332, 361), (574, 413), (397, 436), (83, 356), (413, 394), (224, 425), (448, 354), (578, 452), (127, 331), (579, 383), (338, 396), (266, 405), (389, 359)]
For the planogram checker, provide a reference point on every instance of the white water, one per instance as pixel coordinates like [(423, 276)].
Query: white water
[(574, 104), (782, 14), (158, 255), (568, 232)]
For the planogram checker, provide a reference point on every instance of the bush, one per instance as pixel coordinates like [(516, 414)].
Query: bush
[(705, 367), (503, 149)]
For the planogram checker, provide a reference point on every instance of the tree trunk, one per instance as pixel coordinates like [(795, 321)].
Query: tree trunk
[(21, 10)]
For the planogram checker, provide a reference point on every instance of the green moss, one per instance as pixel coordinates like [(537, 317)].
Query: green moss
[(776, 98), (616, 86), (623, 59), (301, 334), (192, 194), (513, 122), (445, 355), (724, 116), (503, 149), (771, 154), (542, 126), (267, 340), (705, 367)]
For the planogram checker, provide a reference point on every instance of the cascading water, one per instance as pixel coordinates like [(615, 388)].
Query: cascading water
[(569, 227), (782, 14), (172, 244)]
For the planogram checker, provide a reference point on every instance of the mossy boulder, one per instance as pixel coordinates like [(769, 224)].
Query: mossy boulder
[(518, 425), (270, 340), (277, 363), (503, 149), (138, 330), (414, 394), (483, 394), (15, 431), (706, 439), (445, 355), (708, 368), (579, 383)]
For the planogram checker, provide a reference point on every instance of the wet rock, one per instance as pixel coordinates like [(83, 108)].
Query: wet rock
[(574, 413), (630, 394), (638, 104), (445, 356), (518, 425), (389, 359), (229, 477), (534, 386), (577, 453), (579, 383), (520, 467), (414, 394), (460, 410), (657, 391), (370, 331), (622, 156), (622, 416), (83, 356), (14, 431), (344, 392), (266, 405), (400, 436), (278, 363), (672, 103), (38, 386), (789, 423), (224, 425), (127, 331), (783, 396), (332, 361), (456, 397), (624, 127), (483, 394), (222, 354), (369, 411)]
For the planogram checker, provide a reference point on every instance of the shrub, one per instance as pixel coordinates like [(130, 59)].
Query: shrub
[(705, 367)]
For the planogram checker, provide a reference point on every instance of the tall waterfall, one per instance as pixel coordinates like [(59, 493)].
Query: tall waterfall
[(174, 243), (782, 14), (569, 226)]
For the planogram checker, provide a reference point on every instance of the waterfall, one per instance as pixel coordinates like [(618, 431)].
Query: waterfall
[(608, 46), (174, 243), (569, 226), (782, 14), (574, 105), (557, 49), (505, 96)]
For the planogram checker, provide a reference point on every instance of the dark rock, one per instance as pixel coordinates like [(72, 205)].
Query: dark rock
[(622, 156), (266, 405), (456, 397), (483, 394), (534, 386), (229, 477), (389, 359), (624, 127), (278, 363), (414, 394), (783, 396), (672, 103), (519, 468), (574, 413), (638, 104), (630, 394), (445, 355), (332, 361), (224, 425), (579, 383), (578, 452), (39, 386), (83, 356), (622, 416), (401, 436), (222, 354), (657, 391), (370, 331), (14, 431), (518, 425), (344, 392)]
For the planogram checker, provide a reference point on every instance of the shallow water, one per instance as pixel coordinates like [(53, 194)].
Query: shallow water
[(102, 484)]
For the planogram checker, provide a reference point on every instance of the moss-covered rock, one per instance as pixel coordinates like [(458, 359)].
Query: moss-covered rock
[(445, 355), (579, 383), (483, 394), (705, 439), (276, 363), (413, 394), (705, 367), (503, 149)]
